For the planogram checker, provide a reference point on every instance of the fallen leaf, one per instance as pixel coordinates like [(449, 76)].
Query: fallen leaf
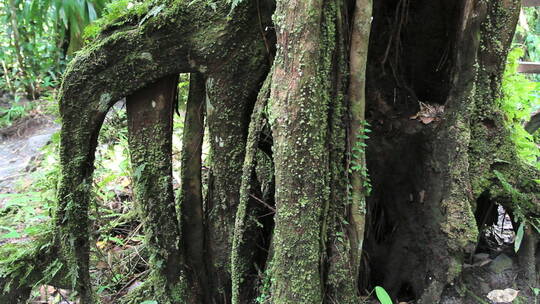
[(102, 265), (428, 113), (482, 263), (502, 295), (426, 120)]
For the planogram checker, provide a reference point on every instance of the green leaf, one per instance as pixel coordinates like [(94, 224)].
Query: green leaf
[(519, 237), (382, 295), (149, 302), (92, 14), (116, 240), (234, 4), (12, 234), (101, 289), (138, 172)]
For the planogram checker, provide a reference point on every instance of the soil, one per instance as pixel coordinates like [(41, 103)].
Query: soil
[(20, 145)]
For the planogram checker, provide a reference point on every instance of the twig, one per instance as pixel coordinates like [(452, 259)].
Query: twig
[(263, 202), (266, 44), (118, 293), (61, 295)]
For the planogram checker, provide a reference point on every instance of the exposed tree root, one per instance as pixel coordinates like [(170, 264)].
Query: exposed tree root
[(150, 113), (125, 59), (359, 179), (427, 178), (311, 257), (240, 263), (528, 272), (231, 95), (422, 218), (80, 129), (191, 199)]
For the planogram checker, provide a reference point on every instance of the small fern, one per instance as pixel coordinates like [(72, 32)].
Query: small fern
[(358, 152)]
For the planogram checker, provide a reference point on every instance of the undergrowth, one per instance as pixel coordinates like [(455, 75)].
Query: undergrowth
[(118, 256), (521, 97), (14, 111)]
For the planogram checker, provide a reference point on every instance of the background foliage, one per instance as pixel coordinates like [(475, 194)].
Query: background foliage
[(38, 36)]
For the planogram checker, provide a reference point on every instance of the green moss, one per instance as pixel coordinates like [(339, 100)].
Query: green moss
[(118, 13), (239, 263), (28, 264), (492, 148), (299, 119)]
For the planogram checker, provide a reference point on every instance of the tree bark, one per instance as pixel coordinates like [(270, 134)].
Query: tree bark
[(125, 59), (149, 112), (232, 91), (300, 98), (360, 184), (191, 199), (242, 251)]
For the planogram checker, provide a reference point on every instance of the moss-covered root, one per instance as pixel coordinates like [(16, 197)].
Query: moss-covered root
[(150, 113), (357, 101), (240, 261), (232, 91), (191, 199), (78, 140), (341, 247), (527, 257), (496, 168)]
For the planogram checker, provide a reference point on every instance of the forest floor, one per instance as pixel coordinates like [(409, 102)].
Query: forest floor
[(20, 146)]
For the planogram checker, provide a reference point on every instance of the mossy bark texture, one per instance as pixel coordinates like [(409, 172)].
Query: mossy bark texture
[(242, 252), (496, 168), (429, 176), (225, 47), (357, 100), (191, 198), (149, 112), (306, 115), (231, 95)]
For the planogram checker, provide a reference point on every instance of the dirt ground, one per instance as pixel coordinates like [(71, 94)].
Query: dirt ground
[(20, 144)]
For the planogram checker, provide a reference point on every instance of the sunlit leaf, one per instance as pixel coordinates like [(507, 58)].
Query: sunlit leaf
[(382, 295), (12, 234)]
